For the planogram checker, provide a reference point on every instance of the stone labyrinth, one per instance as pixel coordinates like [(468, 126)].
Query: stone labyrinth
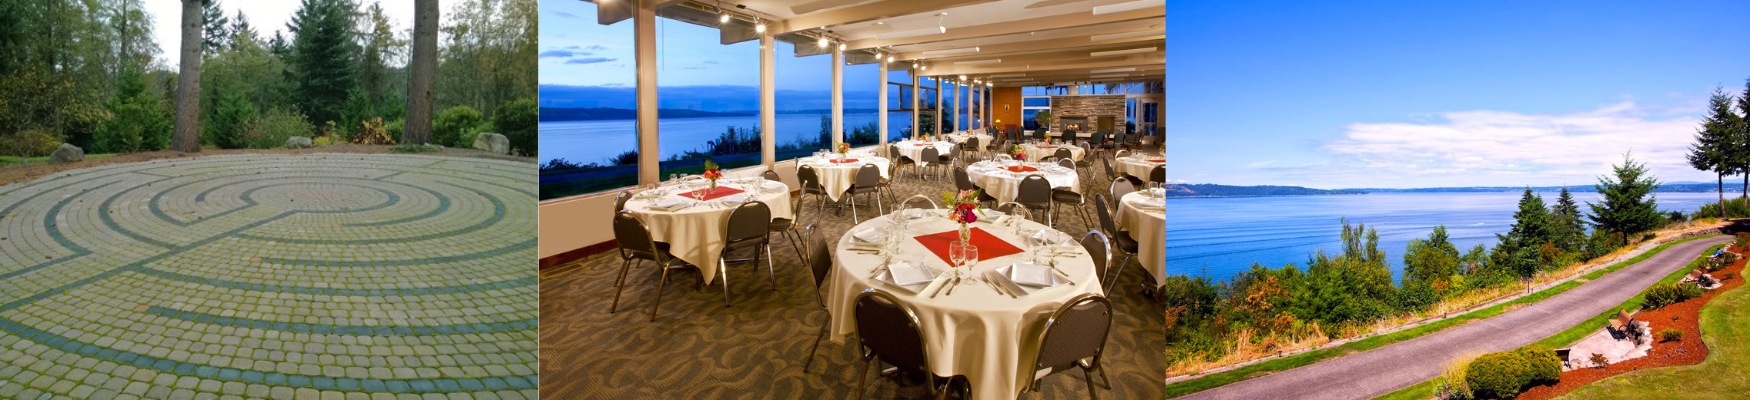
[(271, 276)]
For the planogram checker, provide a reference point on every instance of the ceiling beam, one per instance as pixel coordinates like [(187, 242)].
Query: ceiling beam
[(870, 12), (1030, 50), (1138, 61), (1013, 27)]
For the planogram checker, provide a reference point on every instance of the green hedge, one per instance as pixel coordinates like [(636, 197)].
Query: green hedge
[(1504, 374), (1663, 295)]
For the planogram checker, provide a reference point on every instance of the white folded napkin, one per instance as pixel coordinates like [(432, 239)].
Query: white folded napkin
[(733, 199), (770, 185), (906, 274), (1053, 237), (1032, 275), (667, 204), (870, 235)]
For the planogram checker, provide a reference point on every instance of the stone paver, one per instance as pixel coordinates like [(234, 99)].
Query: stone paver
[(278, 276)]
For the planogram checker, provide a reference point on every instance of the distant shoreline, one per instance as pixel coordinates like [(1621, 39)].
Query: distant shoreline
[(1216, 191), (564, 114)]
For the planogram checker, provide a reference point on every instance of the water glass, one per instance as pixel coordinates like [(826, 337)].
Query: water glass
[(956, 254), (969, 256)]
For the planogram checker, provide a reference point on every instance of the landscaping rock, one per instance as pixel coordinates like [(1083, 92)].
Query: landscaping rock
[(67, 153), (495, 143), (299, 142)]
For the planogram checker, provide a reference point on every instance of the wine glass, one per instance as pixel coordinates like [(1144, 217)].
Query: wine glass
[(956, 254), (969, 255)]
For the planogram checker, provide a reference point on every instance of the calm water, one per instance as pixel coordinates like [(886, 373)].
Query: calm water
[(596, 141), (1219, 237)]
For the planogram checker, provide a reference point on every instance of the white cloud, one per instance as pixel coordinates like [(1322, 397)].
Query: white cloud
[(1503, 148)]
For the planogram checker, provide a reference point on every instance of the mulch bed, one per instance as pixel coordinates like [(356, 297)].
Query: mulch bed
[(1681, 316), (15, 173)]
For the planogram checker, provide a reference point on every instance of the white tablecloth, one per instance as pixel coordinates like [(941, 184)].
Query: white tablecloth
[(695, 234), (915, 150), (987, 337), (1036, 152), (1137, 166), (1149, 230), (837, 177), (960, 137), (1004, 185)]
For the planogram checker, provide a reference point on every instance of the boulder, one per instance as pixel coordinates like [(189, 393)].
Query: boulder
[(67, 153), (495, 143), (299, 142)]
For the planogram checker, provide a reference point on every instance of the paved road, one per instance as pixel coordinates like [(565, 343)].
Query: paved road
[(1379, 371)]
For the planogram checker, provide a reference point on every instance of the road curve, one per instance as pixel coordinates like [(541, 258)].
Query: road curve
[(1385, 369)]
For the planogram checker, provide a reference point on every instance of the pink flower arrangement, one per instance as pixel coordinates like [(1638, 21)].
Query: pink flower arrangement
[(1020, 153), (963, 209), (844, 148)]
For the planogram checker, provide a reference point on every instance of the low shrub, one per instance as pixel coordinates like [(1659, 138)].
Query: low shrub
[(1741, 238), (1599, 360), (450, 124), (517, 120), (1670, 335), (1505, 374), (1660, 296), (272, 128)]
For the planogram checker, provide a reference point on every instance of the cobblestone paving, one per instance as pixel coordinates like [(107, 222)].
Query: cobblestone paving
[(322, 276)]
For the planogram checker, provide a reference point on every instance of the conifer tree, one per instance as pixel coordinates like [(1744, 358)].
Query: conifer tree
[(1628, 205)]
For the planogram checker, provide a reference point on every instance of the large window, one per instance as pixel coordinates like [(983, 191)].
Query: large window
[(708, 98), (898, 103), (588, 128)]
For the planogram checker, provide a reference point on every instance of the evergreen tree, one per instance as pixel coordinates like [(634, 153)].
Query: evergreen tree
[(213, 27), (1742, 150), (380, 46), (1568, 226), (1716, 143), (1628, 205), (323, 58), (1517, 251), (230, 120), (240, 29), (139, 120), (279, 46)]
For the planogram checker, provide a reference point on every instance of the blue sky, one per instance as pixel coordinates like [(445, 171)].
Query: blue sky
[(576, 51), (1419, 94)]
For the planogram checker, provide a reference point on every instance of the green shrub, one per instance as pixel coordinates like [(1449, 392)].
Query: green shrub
[(1741, 238), (1663, 295), (229, 121), (272, 128), (449, 125), (396, 127), (466, 140), (139, 120), (517, 120), (1505, 374), (1670, 335)]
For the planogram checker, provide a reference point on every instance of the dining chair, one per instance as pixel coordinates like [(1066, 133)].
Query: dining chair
[(1158, 174), (919, 201), (888, 331), (930, 155), (1069, 136), (948, 160), (809, 178), (1122, 185), (868, 183), (1035, 193), (1110, 173), (970, 147), (786, 227), (636, 245), (1121, 240), (819, 263), (1100, 249), (748, 228), (899, 159), (1065, 195), (620, 200), (771, 175), (1075, 337)]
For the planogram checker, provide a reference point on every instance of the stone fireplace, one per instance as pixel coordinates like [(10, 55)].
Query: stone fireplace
[(1088, 112)]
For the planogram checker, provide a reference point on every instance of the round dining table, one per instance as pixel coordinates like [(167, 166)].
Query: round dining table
[(1002, 179), (1142, 213), (915, 149), (1036, 151), (960, 137), (694, 228), (837, 174), (974, 329), (1138, 165)]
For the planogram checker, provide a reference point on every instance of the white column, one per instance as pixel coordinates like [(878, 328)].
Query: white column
[(768, 100), (914, 103), (881, 105), (838, 96), (965, 105), (644, 52)]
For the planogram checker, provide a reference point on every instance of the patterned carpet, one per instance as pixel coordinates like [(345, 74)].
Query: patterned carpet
[(699, 349)]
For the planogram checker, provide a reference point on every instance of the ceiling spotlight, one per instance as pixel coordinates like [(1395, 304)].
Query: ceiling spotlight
[(963, 77), (889, 58), (723, 17), (759, 26), (841, 47), (939, 27), (821, 42)]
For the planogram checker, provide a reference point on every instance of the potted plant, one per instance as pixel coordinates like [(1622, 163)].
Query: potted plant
[(1043, 118)]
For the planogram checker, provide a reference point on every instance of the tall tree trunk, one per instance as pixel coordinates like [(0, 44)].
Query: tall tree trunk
[(187, 138), (1720, 179), (421, 73)]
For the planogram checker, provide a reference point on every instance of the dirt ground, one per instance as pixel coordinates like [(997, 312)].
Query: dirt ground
[(15, 173), (1681, 316)]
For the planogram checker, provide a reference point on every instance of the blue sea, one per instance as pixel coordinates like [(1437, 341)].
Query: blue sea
[(597, 141), (1219, 237)]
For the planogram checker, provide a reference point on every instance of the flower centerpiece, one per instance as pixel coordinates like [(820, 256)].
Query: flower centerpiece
[(712, 174), (963, 209), (1019, 153), (844, 148)]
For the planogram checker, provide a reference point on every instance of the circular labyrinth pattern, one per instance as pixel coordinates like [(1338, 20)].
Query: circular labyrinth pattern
[(263, 276)]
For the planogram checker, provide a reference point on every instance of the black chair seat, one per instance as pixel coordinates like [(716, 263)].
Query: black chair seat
[(781, 224), (1065, 196), (1124, 242)]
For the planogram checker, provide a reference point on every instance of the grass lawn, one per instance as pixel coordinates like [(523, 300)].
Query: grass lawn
[(1426, 388), (9, 160)]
